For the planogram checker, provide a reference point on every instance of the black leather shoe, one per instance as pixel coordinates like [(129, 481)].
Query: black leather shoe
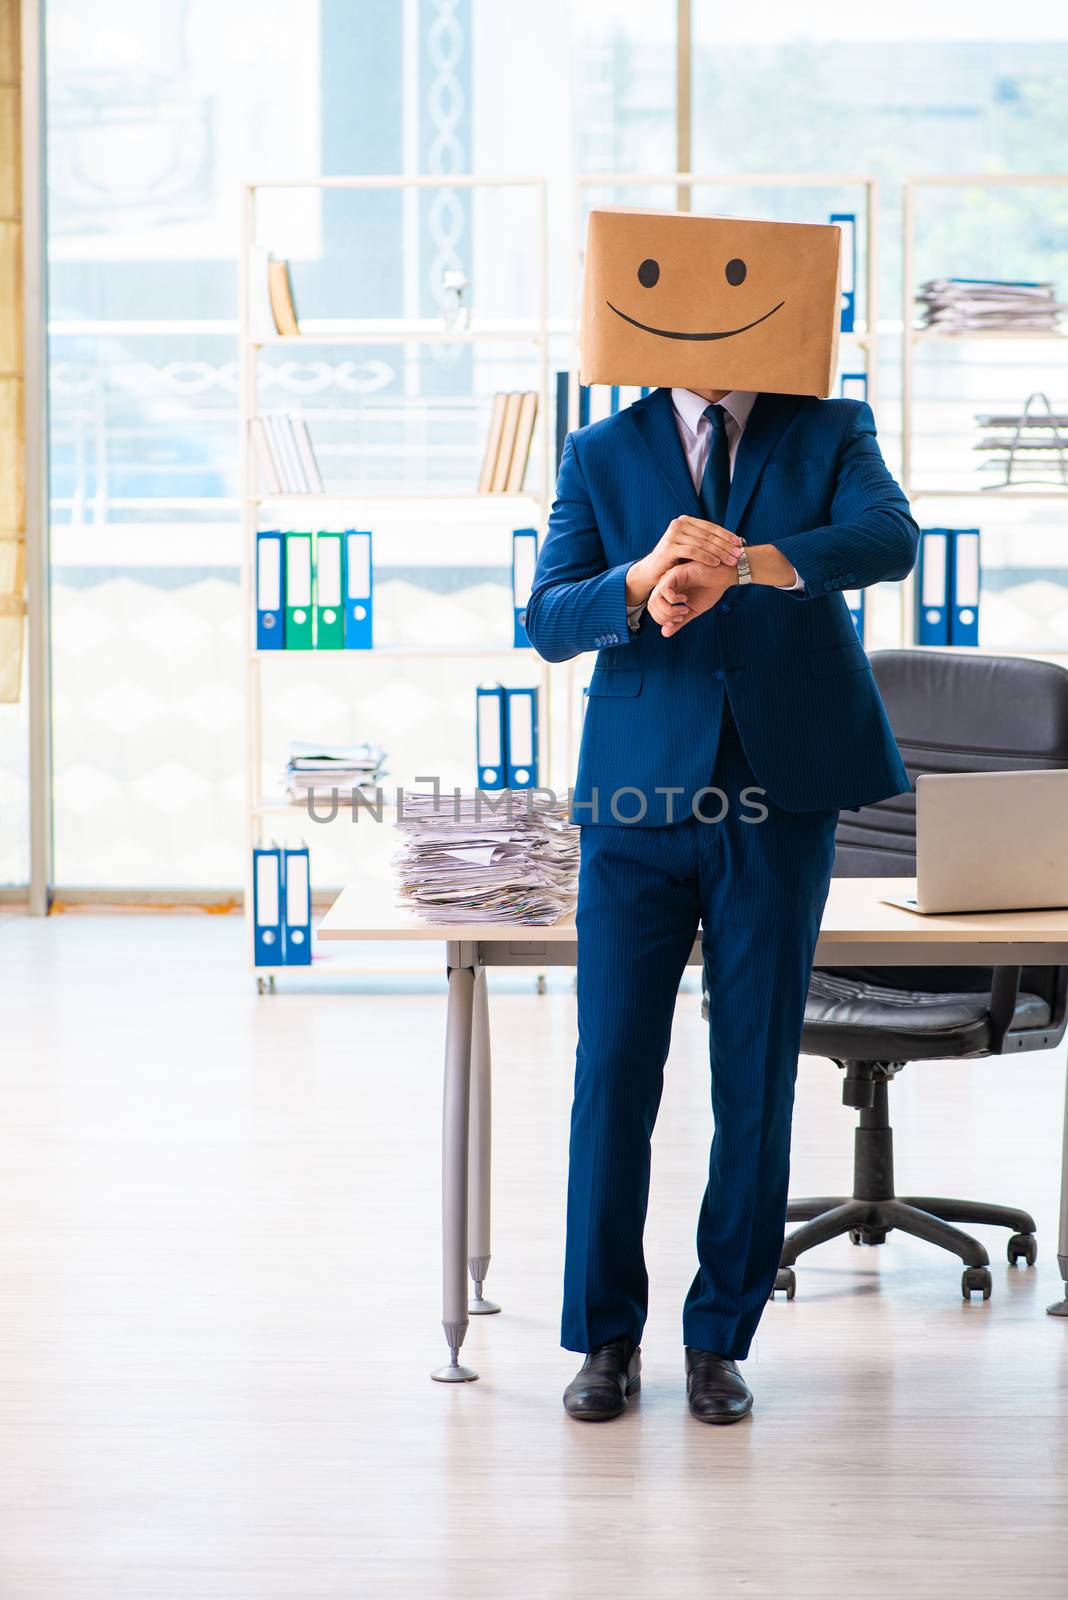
[(715, 1388), (598, 1391)]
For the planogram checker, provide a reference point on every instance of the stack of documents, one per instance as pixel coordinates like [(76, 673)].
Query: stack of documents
[(323, 770), (466, 859), (994, 305)]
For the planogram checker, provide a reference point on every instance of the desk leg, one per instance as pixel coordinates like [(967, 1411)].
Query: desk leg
[(1060, 1308), (478, 1215), (456, 1112)]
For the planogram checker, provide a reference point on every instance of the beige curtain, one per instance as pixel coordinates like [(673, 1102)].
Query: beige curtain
[(12, 504)]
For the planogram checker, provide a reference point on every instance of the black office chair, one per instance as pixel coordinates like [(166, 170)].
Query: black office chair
[(950, 713)]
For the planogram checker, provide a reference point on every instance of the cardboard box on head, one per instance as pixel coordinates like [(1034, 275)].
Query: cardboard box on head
[(677, 300)]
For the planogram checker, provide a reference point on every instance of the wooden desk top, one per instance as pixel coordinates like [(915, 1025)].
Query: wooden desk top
[(855, 915)]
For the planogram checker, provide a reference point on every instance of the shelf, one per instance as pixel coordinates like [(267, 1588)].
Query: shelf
[(991, 492), (946, 335), (399, 652), (399, 333), (280, 807), (458, 497)]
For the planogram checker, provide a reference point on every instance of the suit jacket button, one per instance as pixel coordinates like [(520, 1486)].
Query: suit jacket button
[(718, 674)]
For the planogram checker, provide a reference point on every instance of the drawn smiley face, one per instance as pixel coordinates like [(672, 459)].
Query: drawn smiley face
[(648, 276), (705, 302)]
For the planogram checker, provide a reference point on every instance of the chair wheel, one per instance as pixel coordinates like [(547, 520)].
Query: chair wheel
[(786, 1280), (1022, 1246), (868, 1235), (974, 1278)]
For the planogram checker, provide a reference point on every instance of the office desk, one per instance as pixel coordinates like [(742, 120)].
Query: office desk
[(858, 929)]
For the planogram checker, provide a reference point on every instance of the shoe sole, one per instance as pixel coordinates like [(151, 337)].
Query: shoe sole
[(721, 1422)]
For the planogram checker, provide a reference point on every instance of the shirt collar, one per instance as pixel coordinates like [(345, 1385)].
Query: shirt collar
[(691, 407)]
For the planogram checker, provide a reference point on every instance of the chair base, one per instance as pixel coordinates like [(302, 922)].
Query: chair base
[(873, 1210), (869, 1222)]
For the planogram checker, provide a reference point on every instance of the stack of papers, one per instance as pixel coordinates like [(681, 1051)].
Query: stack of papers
[(321, 770), (997, 305), (465, 862)]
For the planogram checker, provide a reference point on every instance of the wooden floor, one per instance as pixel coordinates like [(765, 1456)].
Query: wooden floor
[(219, 1281)]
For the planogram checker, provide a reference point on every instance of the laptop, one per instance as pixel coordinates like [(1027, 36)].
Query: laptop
[(990, 841)]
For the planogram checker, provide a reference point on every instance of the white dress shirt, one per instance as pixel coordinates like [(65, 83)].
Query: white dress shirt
[(695, 436)]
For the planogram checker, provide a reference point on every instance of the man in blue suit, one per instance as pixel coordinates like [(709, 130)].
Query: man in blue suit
[(700, 542)]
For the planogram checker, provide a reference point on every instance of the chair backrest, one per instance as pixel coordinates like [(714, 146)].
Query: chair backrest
[(953, 713)]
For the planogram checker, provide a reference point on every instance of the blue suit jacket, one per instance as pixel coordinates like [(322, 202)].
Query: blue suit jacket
[(809, 478)]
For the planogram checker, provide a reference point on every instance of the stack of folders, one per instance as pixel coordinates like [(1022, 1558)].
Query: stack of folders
[(281, 909), (994, 305), (338, 772), (314, 599), (947, 587), (464, 862), (506, 737), (285, 455), (504, 464)]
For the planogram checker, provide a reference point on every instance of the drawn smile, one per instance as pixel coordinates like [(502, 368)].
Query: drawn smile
[(671, 333)]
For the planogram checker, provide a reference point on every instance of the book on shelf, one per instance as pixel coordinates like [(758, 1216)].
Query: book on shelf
[(306, 452), (508, 442), (509, 429), (285, 455), (524, 435), (280, 291), (493, 443), (267, 469)]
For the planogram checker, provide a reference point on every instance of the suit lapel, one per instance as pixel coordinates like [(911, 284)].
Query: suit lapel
[(654, 419), (767, 422)]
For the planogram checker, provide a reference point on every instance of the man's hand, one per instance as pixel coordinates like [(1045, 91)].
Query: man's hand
[(685, 539), (686, 591)]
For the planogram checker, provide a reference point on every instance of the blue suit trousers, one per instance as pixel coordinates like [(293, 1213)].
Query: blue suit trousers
[(757, 888)]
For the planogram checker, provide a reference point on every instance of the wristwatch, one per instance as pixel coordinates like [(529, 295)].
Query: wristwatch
[(743, 569)]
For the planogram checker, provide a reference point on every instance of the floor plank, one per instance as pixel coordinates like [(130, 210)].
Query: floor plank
[(219, 1274)]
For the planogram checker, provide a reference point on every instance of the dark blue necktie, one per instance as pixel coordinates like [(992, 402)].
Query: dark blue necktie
[(716, 479)]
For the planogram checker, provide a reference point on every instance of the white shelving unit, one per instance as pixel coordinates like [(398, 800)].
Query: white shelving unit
[(357, 506), (913, 336)]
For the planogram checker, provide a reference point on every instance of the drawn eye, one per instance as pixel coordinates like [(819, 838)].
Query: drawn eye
[(649, 274), (735, 271)]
